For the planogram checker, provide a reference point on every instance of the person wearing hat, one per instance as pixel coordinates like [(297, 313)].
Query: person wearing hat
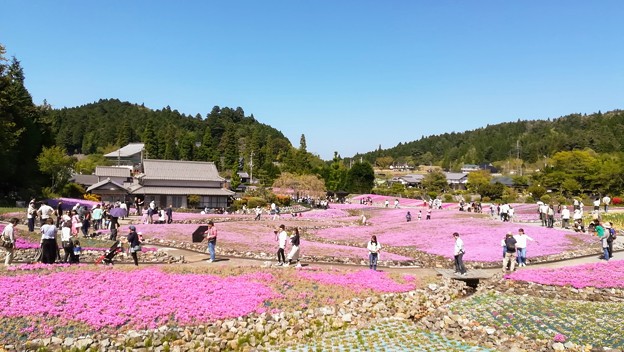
[(135, 244), (211, 237), (610, 237), (31, 214), (510, 256)]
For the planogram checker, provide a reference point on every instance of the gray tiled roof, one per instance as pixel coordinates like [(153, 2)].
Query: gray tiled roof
[(112, 171), (456, 176), (105, 182), (413, 178), (129, 150), (183, 191), (85, 180), (180, 170)]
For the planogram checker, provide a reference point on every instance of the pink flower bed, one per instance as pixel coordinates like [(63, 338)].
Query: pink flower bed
[(138, 299), (257, 236), (68, 203), (380, 200), (361, 280), (480, 234), (600, 275)]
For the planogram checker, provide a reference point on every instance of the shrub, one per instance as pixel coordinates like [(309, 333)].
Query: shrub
[(545, 198), (193, 200), (92, 197), (448, 198), (283, 200), (253, 202), (617, 201), (529, 199)]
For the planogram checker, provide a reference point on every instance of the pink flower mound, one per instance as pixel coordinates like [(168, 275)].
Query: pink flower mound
[(68, 203), (481, 234), (136, 299), (360, 280), (380, 200), (600, 275), (329, 213)]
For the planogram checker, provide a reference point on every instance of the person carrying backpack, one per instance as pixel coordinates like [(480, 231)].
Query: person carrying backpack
[(510, 256), (610, 238)]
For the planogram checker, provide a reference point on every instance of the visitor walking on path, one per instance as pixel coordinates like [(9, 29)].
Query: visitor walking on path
[(8, 240), (373, 252), (281, 237), (408, 216), (602, 236), (49, 248), (295, 241), (169, 213), (611, 237), (135, 244), (258, 212), (31, 214), (521, 246), (510, 256), (211, 237), (458, 253), (66, 240)]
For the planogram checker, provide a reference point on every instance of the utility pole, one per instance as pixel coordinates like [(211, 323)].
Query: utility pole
[(251, 168)]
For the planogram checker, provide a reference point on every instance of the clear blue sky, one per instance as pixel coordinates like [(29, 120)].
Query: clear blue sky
[(350, 75)]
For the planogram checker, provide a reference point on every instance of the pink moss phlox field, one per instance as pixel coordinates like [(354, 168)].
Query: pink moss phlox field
[(380, 200), (600, 275), (69, 203), (41, 266), (145, 298), (481, 234), (358, 281)]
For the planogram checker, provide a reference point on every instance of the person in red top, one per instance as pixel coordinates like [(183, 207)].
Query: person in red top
[(211, 237)]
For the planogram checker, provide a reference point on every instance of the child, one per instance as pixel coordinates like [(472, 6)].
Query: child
[(75, 258), (428, 214), (419, 215)]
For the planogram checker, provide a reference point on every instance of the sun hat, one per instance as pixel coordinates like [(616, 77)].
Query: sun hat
[(607, 225)]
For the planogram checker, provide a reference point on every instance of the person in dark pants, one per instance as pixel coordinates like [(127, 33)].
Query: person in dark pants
[(135, 244), (113, 226), (459, 255), (169, 213), (59, 214), (49, 248), (31, 214)]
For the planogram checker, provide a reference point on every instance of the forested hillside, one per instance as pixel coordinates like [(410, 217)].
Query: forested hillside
[(223, 135), (531, 140)]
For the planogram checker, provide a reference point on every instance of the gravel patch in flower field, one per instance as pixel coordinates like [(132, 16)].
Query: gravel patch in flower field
[(391, 335), (582, 322)]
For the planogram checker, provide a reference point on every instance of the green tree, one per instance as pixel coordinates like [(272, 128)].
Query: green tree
[(360, 178), (478, 179), (235, 179), (151, 144), (384, 162), (337, 177), (87, 165), (55, 163), (435, 181)]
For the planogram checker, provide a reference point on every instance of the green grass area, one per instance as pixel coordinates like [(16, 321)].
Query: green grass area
[(386, 335), (594, 323), (5, 210)]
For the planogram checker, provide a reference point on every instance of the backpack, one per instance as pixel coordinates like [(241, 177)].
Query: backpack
[(511, 246)]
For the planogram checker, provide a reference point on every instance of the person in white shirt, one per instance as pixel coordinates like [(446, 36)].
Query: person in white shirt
[(31, 214), (458, 253), (8, 237), (565, 217), (282, 237), (45, 212), (521, 245), (373, 252), (597, 205), (606, 200)]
